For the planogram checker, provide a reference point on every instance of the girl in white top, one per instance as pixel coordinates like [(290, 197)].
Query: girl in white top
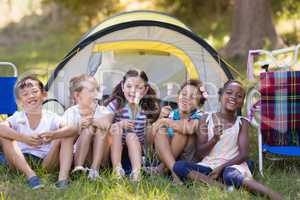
[(91, 122), (223, 146)]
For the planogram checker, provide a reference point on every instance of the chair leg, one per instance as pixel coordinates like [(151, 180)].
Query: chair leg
[(260, 153)]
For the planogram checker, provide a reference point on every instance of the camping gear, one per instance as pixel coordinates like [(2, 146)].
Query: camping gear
[(7, 98), (277, 106), (166, 49)]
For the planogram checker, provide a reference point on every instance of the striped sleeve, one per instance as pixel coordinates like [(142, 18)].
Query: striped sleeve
[(112, 107)]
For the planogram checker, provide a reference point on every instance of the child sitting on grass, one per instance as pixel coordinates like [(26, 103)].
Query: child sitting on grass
[(91, 123), (223, 146), (133, 105), (21, 134), (178, 136)]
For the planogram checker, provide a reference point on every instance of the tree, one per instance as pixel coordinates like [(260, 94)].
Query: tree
[(88, 8), (252, 28)]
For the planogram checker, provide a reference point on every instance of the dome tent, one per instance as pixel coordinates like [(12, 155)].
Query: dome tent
[(162, 46)]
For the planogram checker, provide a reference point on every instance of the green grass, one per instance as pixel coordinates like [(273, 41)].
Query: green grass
[(282, 176), (13, 186), (40, 56)]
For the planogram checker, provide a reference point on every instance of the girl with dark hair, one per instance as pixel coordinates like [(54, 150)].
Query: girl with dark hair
[(133, 105), (223, 146), (174, 133)]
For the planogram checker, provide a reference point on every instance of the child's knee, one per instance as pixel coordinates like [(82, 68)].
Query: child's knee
[(68, 141), (131, 136), (115, 129), (160, 136), (90, 130), (4, 141), (101, 134), (56, 143), (232, 177)]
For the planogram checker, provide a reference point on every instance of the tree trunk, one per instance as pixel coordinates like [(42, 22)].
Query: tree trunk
[(252, 28)]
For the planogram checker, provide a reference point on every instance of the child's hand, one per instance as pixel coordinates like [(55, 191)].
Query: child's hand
[(85, 122), (47, 137), (189, 126), (33, 140), (127, 124), (162, 123), (173, 124), (216, 172), (101, 123), (165, 112), (218, 132)]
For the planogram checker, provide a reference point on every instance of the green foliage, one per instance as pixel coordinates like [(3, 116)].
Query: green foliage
[(88, 8), (287, 9), (197, 12), (40, 56), (210, 19)]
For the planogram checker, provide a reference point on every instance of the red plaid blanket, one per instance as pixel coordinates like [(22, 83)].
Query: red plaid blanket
[(280, 108)]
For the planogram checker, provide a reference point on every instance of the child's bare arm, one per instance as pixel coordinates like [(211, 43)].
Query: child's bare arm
[(8, 133), (62, 132), (204, 146), (185, 126), (243, 144)]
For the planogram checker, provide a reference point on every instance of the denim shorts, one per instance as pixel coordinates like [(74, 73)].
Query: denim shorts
[(31, 159)]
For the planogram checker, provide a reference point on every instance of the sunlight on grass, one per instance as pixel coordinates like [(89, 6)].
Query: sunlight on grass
[(40, 56), (284, 26), (110, 188)]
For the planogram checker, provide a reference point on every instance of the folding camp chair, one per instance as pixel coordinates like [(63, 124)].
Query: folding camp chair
[(278, 107), (7, 98)]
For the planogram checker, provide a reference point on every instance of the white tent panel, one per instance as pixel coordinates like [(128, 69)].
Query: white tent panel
[(162, 70)]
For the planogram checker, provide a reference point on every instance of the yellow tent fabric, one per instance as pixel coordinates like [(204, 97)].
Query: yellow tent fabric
[(151, 45), (138, 15)]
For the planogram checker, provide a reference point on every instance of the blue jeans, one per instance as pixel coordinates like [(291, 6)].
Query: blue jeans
[(3, 160), (230, 175), (126, 164)]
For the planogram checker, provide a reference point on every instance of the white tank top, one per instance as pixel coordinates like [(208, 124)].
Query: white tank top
[(226, 148)]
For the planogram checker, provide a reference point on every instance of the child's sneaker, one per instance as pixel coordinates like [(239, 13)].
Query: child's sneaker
[(230, 188), (79, 169), (153, 171), (119, 172), (62, 184), (135, 176), (34, 183), (176, 180), (93, 174)]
